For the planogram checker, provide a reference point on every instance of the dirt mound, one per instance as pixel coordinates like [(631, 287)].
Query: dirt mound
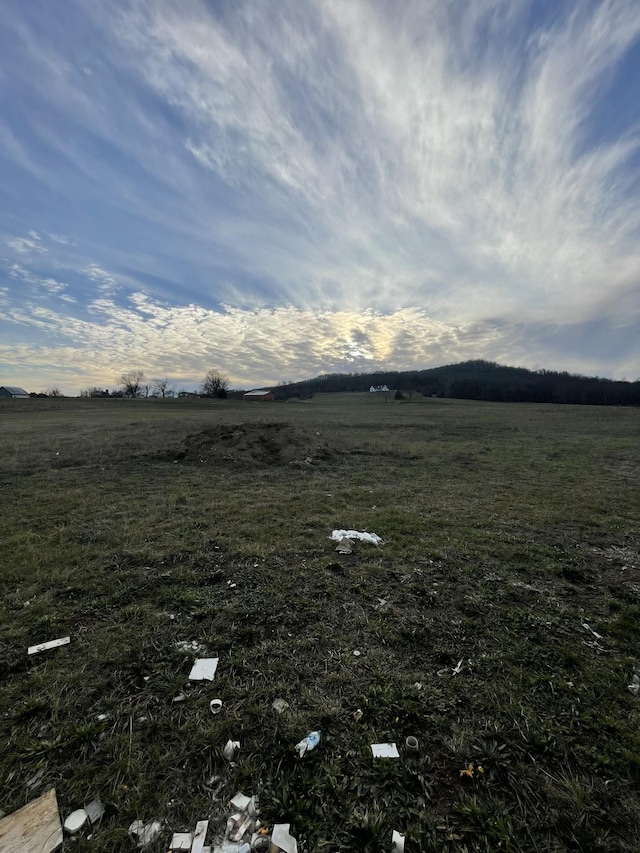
[(254, 444)]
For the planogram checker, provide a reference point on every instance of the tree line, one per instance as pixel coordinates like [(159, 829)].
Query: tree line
[(478, 380), (134, 383)]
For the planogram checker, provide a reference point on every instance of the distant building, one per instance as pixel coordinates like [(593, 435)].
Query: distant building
[(13, 392), (259, 395), (378, 388)]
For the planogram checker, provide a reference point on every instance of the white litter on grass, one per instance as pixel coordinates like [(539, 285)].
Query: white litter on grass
[(199, 836), (230, 749), (240, 802), (181, 841), (203, 669), (51, 644), (634, 687), (371, 538), (397, 839), (458, 667), (281, 839), (385, 750), (193, 647), (76, 821), (145, 833), (587, 627)]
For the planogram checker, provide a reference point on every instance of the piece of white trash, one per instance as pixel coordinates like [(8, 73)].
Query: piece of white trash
[(281, 838), (181, 841), (240, 801), (397, 839), (145, 833), (51, 644), (385, 750), (199, 836), (76, 821), (230, 749), (203, 669), (216, 706), (95, 810), (308, 743), (363, 536)]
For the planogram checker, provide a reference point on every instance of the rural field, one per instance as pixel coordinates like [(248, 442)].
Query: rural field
[(498, 623)]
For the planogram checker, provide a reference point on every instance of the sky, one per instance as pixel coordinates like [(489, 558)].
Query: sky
[(277, 190)]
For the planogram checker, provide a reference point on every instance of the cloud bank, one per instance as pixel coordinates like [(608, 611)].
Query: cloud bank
[(284, 191)]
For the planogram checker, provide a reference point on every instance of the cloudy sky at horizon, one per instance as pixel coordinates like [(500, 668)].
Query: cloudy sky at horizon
[(279, 190)]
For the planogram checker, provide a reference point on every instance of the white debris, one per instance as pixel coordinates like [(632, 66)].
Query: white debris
[(216, 706), (199, 836), (282, 840), (193, 647), (397, 839), (385, 750), (590, 629), (76, 821), (230, 749), (145, 833), (240, 802), (51, 644), (279, 705), (181, 841), (95, 811), (634, 687), (371, 538), (203, 669)]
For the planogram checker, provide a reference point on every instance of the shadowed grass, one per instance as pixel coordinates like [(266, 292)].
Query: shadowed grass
[(506, 529)]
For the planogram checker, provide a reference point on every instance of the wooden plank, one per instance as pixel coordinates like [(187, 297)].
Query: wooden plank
[(51, 644), (35, 828)]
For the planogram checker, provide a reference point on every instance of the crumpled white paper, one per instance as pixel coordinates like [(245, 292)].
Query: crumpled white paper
[(371, 538)]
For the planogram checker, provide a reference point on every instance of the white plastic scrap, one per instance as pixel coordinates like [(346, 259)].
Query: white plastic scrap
[(634, 687), (199, 836), (75, 822), (203, 669), (587, 627), (230, 748), (282, 840), (181, 841), (51, 644), (145, 833), (242, 824), (385, 750), (308, 743), (371, 538), (397, 839)]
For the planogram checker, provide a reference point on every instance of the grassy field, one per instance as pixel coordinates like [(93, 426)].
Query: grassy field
[(132, 525)]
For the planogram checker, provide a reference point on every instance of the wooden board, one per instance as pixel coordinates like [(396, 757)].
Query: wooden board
[(35, 828)]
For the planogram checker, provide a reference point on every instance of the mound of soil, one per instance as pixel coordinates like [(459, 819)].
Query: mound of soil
[(254, 444)]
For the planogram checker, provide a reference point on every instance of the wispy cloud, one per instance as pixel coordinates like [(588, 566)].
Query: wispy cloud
[(409, 184)]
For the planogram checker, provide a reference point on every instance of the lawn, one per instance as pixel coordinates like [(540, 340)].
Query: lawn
[(497, 623)]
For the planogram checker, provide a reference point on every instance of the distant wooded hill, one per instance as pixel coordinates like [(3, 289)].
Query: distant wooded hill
[(478, 380)]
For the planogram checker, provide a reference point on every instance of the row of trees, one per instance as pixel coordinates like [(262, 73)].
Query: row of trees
[(480, 380), (134, 383)]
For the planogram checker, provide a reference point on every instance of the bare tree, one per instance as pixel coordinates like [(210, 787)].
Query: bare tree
[(54, 392), (132, 382), (215, 384), (163, 387)]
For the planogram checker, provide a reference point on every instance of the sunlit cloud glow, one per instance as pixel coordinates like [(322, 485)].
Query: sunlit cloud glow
[(318, 187)]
